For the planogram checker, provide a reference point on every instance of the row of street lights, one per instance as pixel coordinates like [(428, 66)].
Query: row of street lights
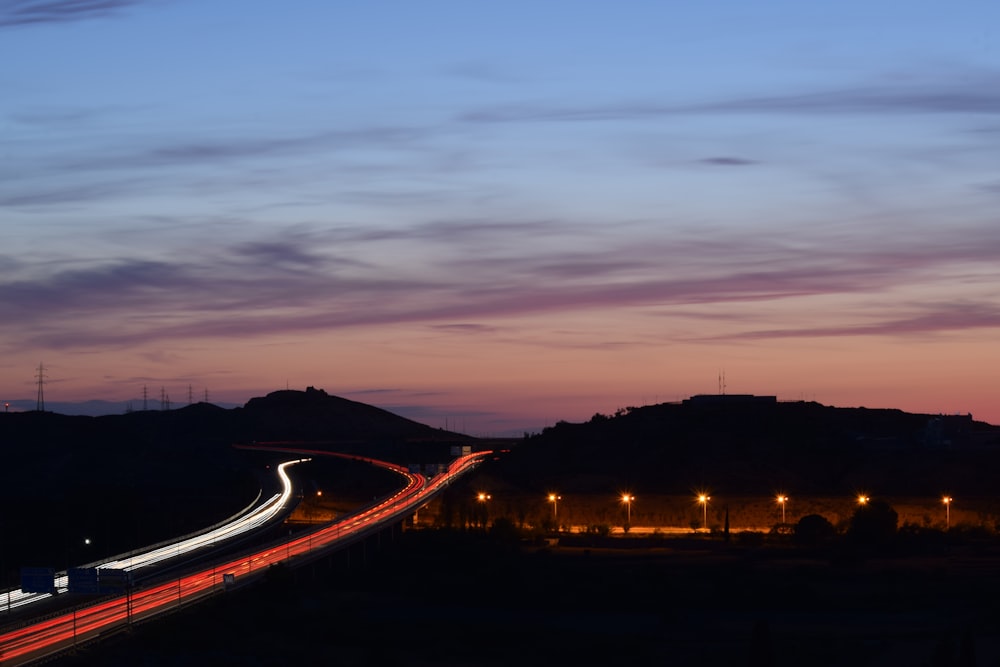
[(945, 500), (702, 498)]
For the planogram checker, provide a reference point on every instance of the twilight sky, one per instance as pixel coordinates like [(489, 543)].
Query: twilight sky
[(493, 216)]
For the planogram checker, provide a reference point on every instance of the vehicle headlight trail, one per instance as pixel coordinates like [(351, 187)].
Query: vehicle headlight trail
[(255, 518)]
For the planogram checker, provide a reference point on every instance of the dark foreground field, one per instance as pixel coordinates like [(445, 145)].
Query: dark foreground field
[(470, 598)]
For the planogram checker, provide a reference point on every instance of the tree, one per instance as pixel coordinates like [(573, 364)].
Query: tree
[(873, 523), (813, 529)]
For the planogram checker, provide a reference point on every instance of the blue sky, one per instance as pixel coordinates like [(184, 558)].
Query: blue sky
[(508, 214)]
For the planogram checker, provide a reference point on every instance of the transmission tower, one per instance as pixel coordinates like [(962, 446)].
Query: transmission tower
[(40, 376)]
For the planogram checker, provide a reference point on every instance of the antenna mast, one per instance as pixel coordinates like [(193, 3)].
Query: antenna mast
[(40, 376)]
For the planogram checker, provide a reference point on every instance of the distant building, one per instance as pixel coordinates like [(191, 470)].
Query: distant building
[(948, 430), (729, 399)]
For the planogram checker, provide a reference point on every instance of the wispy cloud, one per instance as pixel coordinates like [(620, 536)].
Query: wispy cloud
[(188, 151), (728, 161), (28, 12), (302, 282), (974, 94), (465, 328), (932, 318)]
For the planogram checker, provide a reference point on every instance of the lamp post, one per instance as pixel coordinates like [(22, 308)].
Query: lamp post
[(554, 499), (627, 498), (703, 500), (782, 499), (947, 512), (482, 497)]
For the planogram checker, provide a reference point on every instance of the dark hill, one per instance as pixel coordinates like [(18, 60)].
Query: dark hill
[(314, 415), (749, 446)]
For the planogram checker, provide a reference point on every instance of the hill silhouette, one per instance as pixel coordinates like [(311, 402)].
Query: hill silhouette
[(748, 445), (314, 415), (164, 473)]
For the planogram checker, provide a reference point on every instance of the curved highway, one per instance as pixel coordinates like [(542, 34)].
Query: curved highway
[(65, 630), (253, 519)]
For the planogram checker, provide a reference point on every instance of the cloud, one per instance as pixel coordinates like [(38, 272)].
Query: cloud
[(456, 276), (978, 93), (935, 318), (280, 254), (483, 72), (728, 161), (28, 12), (70, 194), (465, 328)]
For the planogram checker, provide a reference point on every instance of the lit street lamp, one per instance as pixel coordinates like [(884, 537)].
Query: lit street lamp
[(703, 500), (863, 499), (782, 499), (482, 497), (554, 499), (947, 511), (627, 498)]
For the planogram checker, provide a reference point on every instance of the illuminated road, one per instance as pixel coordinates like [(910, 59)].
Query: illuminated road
[(66, 629), (251, 520)]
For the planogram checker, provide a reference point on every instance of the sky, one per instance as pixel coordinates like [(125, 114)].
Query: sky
[(490, 217)]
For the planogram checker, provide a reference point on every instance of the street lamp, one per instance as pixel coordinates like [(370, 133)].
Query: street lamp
[(627, 498), (482, 497), (703, 499), (554, 499), (947, 511), (863, 499), (782, 499)]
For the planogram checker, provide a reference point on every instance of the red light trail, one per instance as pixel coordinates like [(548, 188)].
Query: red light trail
[(67, 629)]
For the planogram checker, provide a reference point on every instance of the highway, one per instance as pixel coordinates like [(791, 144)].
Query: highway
[(251, 519), (64, 630)]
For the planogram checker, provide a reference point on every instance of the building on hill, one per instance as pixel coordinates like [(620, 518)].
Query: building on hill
[(729, 399)]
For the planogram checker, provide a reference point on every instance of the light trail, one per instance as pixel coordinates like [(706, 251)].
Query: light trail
[(256, 518), (63, 631)]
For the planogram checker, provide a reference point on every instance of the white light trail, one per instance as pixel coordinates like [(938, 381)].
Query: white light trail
[(257, 517)]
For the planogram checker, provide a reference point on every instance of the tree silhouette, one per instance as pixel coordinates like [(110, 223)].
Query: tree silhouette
[(813, 529), (873, 523)]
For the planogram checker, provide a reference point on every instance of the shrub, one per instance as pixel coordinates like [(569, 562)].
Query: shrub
[(813, 529), (873, 523)]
